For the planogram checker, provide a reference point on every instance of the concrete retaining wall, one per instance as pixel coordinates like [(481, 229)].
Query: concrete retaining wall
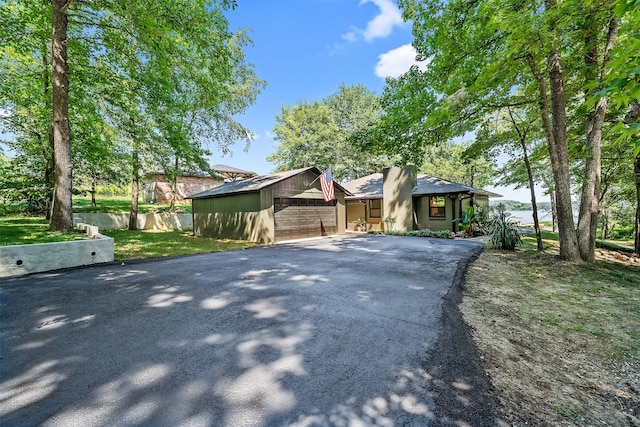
[(24, 259), (152, 221)]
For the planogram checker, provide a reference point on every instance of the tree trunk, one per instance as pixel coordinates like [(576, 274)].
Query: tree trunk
[(135, 186), (523, 143), (554, 211), (636, 227), (558, 151), (534, 205), (93, 191), (62, 212), (174, 183), (604, 231), (556, 135), (590, 198)]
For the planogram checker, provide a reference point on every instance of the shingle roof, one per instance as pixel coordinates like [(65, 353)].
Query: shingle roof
[(370, 187), (367, 187), (253, 184), (224, 169)]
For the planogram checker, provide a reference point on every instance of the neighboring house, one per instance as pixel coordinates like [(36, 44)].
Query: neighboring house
[(157, 186), (269, 208), (231, 173), (413, 202)]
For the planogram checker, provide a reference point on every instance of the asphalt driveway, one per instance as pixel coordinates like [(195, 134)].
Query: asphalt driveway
[(333, 331)]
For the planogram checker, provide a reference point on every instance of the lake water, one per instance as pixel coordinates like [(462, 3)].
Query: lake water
[(526, 217)]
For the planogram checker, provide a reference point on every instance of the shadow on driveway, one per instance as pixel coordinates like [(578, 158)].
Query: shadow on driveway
[(334, 331)]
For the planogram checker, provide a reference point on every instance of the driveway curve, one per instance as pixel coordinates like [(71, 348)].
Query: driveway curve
[(334, 331)]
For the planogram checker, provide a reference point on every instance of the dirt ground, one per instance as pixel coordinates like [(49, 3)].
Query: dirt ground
[(558, 343)]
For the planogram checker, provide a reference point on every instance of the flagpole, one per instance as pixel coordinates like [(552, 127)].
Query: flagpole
[(314, 181), (317, 177)]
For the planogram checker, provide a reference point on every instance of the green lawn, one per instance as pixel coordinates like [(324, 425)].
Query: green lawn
[(128, 244), (623, 245), (153, 244), (122, 204), (544, 326), (21, 230)]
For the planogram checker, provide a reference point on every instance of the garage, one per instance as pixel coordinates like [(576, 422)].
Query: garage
[(270, 208), (300, 218)]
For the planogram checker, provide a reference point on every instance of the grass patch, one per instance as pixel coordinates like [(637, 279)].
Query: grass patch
[(21, 230), (150, 244), (617, 245), (122, 204), (561, 341)]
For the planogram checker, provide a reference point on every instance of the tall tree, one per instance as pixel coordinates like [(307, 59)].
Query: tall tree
[(513, 130), (327, 134), (307, 133), (62, 212), (453, 162), (131, 50), (481, 51), (25, 88), (596, 64)]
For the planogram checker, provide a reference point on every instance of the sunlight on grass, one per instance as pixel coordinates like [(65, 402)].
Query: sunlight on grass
[(150, 244), (29, 230)]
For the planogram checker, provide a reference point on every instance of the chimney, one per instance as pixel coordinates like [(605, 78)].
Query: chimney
[(397, 184)]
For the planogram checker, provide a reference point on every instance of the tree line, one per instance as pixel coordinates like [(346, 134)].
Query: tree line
[(94, 91)]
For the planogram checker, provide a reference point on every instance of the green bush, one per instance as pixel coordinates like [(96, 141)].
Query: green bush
[(441, 234), (473, 222), (504, 234)]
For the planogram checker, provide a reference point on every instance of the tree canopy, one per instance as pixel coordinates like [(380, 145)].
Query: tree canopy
[(325, 134), (157, 79), (550, 57)]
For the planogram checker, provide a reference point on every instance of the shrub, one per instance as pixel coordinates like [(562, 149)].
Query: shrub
[(473, 222), (442, 234), (504, 234)]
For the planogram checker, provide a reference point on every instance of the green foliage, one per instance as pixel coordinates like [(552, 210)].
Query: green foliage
[(307, 133), (162, 79), (326, 134), (21, 190), (451, 161), (439, 234), (389, 221), (474, 221), (533, 63), (504, 234)]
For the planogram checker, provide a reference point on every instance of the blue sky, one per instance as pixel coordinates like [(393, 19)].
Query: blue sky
[(305, 49)]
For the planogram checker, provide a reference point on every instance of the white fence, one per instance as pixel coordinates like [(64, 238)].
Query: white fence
[(151, 221)]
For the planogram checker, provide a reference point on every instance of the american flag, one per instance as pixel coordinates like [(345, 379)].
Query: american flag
[(326, 182)]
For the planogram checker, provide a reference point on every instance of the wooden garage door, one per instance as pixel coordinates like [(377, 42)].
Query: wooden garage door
[(299, 218)]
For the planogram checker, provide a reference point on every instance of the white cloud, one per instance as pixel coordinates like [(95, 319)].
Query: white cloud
[(398, 61), (350, 37), (380, 26)]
